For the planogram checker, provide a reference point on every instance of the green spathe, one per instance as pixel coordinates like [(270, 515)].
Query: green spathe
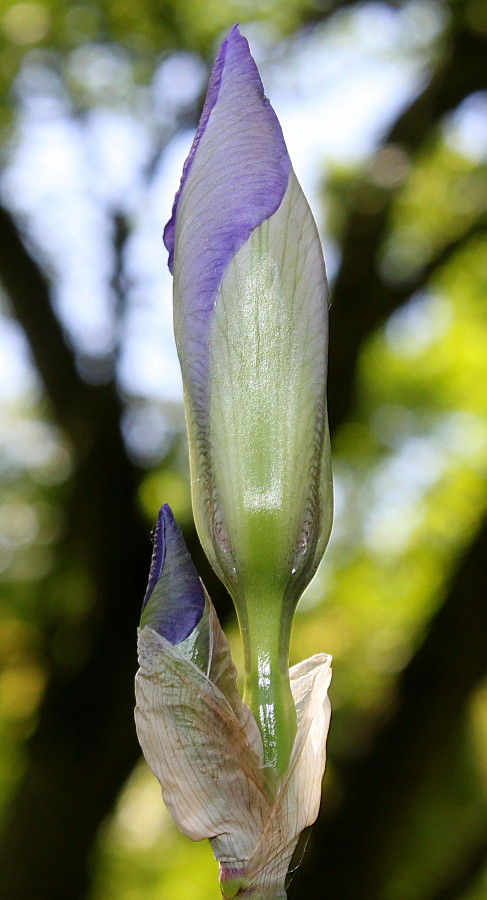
[(263, 496)]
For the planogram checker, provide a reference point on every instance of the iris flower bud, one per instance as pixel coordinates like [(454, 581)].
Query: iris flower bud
[(175, 603), (250, 315), (251, 326)]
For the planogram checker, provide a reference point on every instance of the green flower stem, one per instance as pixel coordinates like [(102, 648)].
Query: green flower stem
[(231, 891), (266, 633), (254, 897)]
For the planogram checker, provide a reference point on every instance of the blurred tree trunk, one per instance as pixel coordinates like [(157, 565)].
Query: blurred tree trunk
[(85, 745)]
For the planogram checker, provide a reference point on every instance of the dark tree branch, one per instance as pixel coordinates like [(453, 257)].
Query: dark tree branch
[(362, 300), (459, 73), (29, 291)]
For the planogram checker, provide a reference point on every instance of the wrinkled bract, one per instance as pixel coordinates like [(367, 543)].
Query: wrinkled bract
[(203, 745)]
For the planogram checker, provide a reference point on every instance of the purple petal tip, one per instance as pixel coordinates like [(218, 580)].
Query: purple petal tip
[(211, 98), (241, 65), (234, 179), (174, 600), (158, 553)]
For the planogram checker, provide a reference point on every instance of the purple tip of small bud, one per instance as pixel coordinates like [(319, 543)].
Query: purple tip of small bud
[(174, 600), (158, 552)]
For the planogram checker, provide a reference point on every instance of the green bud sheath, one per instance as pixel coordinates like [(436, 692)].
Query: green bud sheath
[(269, 448), (251, 326)]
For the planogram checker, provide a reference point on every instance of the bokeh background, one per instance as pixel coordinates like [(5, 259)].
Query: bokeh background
[(384, 109)]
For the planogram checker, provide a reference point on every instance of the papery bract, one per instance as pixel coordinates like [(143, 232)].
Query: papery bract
[(204, 746)]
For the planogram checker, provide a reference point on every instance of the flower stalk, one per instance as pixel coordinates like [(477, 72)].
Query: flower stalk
[(251, 328)]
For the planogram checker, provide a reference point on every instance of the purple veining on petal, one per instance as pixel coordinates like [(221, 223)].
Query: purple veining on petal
[(211, 98), (234, 179), (174, 600), (158, 554)]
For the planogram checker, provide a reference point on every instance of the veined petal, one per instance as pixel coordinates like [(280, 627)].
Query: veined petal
[(201, 742), (174, 601), (234, 178), (268, 476), (296, 804), (203, 745)]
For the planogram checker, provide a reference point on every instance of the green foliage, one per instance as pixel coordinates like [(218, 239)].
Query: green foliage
[(144, 854)]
